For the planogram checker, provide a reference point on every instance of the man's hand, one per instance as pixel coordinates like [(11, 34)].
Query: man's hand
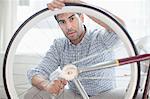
[(53, 87), (60, 3), (56, 86)]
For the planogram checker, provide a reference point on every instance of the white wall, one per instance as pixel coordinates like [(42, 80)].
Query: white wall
[(21, 64)]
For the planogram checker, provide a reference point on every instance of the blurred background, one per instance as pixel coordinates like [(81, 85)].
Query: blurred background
[(135, 14)]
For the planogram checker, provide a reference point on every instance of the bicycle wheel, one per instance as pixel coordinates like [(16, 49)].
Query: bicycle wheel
[(99, 13)]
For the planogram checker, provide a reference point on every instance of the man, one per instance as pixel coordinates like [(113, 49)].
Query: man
[(79, 43)]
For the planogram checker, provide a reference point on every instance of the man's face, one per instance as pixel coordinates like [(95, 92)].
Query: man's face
[(71, 25)]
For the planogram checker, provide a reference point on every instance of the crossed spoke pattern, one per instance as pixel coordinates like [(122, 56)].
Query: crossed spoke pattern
[(24, 85)]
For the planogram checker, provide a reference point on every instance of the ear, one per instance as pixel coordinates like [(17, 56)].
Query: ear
[(82, 17)]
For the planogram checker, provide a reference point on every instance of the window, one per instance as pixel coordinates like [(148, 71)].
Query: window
[(41, 34), (133, 12)]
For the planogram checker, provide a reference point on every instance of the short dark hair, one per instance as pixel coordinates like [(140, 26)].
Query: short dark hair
[(55, 16)]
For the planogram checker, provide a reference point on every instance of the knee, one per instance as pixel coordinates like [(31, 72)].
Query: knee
[(31, 93)]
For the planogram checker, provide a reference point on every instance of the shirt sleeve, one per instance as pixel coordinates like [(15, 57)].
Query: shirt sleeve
[(109, 38), (48, 64)]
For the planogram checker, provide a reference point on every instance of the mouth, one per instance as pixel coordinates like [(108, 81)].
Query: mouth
[(71, 33)]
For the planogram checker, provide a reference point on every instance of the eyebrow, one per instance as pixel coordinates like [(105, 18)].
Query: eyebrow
[(67, 18), (71, 16)]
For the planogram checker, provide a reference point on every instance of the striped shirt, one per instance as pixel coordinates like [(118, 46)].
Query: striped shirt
[(63, 52)]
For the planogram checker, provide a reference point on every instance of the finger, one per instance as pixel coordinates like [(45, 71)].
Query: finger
[(64, 82), (50, 7), (56, 4), (63, 1), (57, 82), (55, 89), (62, 86), (61, 89), (70, 0), (59, 3), (58, 87)]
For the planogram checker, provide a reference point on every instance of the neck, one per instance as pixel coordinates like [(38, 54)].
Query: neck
[(77, 41)]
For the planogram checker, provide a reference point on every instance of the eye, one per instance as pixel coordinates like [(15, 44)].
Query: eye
[(61, 22), (72, 18)]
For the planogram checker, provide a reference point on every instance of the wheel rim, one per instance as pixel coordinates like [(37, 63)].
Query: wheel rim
[(98, 13)]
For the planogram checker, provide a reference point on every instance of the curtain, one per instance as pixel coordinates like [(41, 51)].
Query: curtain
[(7, 21)]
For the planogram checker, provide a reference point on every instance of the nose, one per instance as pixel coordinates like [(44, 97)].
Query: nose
[(69, 25)]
